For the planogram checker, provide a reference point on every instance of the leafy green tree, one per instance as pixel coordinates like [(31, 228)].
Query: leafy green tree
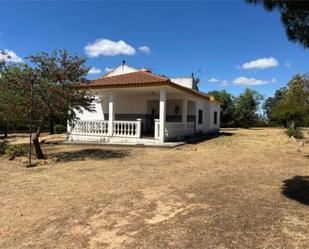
[(52, 77), (269, 104), (246, 108), (294, 15), (227, 108), (293, 108)]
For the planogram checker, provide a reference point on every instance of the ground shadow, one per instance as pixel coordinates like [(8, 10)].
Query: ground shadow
[(94, 154), (199, 139), (307, 156), (297, 188)]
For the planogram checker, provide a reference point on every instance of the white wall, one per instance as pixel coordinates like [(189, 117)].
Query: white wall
[(122, 69), (97, 115), (184, 81), (142, 105), (214, 107)]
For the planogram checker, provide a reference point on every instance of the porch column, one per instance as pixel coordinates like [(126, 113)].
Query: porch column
[(184, 113), (111, 113), (162, 115)]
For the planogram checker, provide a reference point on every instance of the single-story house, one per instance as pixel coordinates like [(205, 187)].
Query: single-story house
[(140, 107)]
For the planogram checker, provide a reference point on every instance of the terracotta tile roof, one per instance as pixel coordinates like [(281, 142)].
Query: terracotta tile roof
[(140, 78), (136, 78)]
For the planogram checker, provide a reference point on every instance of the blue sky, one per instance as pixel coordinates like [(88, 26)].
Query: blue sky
[(227, 44)]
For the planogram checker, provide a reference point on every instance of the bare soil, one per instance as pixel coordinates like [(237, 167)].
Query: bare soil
[(243, 189)]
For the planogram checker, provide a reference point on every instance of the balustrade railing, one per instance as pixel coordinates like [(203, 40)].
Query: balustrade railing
[(127, 128), (90, 127), (120, 128)]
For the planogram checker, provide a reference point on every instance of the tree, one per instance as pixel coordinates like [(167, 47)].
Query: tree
[(227, 108), (293, 108), (52, 77), (294, 15), (246, 108), (269, 105)]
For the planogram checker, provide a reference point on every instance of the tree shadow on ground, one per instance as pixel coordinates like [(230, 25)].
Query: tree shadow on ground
[(307, 156), (199, 139), (94, 154), (297, 188)]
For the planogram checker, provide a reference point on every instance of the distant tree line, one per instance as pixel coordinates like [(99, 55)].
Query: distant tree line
[(288, 108)]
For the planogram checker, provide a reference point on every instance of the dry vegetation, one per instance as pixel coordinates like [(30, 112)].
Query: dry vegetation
[(244, 189)]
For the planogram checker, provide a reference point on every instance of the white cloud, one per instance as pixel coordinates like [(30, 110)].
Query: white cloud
[(262, 63), (249, 81), (94, 70), (10, 56), (213, 80), (108, 47), (107, 69), (144, 49)]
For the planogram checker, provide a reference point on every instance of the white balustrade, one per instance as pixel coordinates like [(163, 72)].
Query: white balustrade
[(127, 128), (90, 127), (121, 128)]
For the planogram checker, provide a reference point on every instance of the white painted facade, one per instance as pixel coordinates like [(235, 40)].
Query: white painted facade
[(148, 114)]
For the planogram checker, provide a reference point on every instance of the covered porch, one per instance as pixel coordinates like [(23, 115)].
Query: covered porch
[(149, 114)]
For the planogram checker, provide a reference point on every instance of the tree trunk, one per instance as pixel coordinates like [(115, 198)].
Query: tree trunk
[(51, 126), (37, 146)]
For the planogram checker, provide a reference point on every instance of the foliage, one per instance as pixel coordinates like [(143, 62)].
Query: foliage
[(246, 108), (269, 105), (227, 108), (294, 132), (52, 77), (59, 129), (16, 149), (3, 145), (293, 106), (294, 15)]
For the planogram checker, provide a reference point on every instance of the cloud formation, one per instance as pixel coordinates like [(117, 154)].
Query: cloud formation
[(108, 47), (213, 80), (107, 69), (94, 70), (261, 63), (144, 49), (244, 81), (10, 56)]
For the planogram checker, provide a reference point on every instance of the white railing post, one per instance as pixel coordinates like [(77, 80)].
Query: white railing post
[(162, 115), (156, 128), (139, 127), (111, 114)]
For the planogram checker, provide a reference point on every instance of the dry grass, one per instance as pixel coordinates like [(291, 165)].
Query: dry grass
[(244, 189)]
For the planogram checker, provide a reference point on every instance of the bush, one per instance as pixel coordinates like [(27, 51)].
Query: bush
[(59, 129), (292, 132), (3, 145), (16, 150)]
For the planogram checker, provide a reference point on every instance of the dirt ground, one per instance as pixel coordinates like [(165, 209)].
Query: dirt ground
[(244, 189)]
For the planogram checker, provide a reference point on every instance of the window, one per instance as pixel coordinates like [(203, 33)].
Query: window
[(200, 116), (215, 118)]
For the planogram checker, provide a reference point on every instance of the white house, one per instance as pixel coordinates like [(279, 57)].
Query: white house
[(140, 107)]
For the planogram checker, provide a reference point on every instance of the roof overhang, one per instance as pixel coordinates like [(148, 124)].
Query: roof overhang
[(150, 84)]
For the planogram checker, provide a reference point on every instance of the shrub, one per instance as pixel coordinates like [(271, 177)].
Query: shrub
[(16, 150), (294, 132), (3, 145), (59, 129)]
